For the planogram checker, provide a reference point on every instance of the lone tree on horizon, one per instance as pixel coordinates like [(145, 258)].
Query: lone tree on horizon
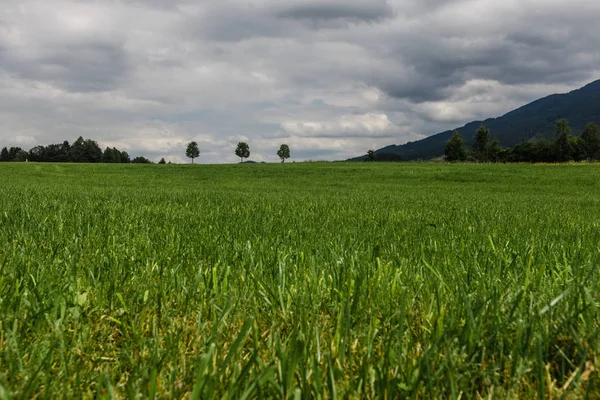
[(242, 151), (455, 148), (192, 151), (481, 144), (283, 152)]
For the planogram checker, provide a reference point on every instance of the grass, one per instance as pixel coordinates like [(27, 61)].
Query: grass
[(299, 281)]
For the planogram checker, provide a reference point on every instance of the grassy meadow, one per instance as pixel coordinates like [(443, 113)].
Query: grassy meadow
[(306, 280)]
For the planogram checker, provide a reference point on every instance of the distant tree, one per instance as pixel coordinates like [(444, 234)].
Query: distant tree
[(12, 153), (481, 145), (125, 158), (455, 148), (242, 151), (283, 152), (77, 151), (21, 156), (38, 154), (371, 155), (562, 145), (496, 152), (4, 155), (591, 141), (577, 148), (56, 153), (117, 155), (110, 156), (192, 151), (93, 152), (141, 160), (162, 161)]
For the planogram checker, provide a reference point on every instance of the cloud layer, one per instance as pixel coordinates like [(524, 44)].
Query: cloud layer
[(332, 78)]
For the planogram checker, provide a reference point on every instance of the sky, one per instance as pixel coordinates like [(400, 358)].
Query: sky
[(330, 78)]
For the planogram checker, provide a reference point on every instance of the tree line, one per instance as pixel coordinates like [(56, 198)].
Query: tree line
[(242, 151), (565, 147), (81, 151)]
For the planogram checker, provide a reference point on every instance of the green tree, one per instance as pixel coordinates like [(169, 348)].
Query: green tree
[(162, 161), (108, 156), (481, 145), (92, 152), (65, 147), (38, 154), (371, 155), (455, 148), (562, 145), (111, 155), (495, 152), (141, 160), (4, 155), (283, 152), (21, 156), (242, 151), (125, 157), (12, 153), (591, 141), (577, 147), (192, 151), (77, 151), (56, 153)]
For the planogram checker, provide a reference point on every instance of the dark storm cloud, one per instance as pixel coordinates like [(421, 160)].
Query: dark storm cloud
[(436, 62), (358, 10), (83, 67), (229, 22)]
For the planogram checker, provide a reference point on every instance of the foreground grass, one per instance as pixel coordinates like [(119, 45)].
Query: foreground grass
[(299, 281)]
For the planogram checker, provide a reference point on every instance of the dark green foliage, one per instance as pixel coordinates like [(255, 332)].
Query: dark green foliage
[(283, 152), (21, 156), (141, 160), (591, 141), (192, 151), (538, 151), (480, 150), (577, 148), (562, 145), (371, 155), (112, 156), (82, 151), (162, 161), (125, 157), (12, 153), (77, 150), (495, 152), (455, 148), (37, 153), (242, 151), (566, 147)]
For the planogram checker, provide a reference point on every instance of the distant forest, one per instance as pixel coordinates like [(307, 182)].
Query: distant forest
[(565, 147), (81, 151)]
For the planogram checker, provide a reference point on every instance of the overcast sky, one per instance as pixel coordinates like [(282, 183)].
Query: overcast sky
[(331, 78)]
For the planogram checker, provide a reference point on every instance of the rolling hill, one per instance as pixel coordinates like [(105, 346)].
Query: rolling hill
[(537, 118)]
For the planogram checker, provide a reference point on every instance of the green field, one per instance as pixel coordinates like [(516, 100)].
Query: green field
[(307, 280)]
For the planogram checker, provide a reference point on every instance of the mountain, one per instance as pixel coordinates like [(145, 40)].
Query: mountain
[(537, 118)]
